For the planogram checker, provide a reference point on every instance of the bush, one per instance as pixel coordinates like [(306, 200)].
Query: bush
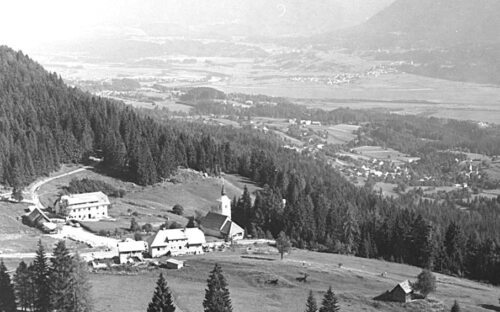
[(426, 283), (178, 209)]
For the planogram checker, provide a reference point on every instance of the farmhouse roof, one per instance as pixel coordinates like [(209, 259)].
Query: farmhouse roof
[(193, 236), (85, 200), (405, 286), (131, 246), (37, 215), (215, 221)]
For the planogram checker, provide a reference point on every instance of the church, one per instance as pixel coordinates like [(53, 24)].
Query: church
[(219, 224)]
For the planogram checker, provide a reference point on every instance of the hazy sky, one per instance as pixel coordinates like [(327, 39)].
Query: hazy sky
[(25, 23)]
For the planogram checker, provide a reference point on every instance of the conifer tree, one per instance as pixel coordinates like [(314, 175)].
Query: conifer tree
[(7, 296), (60, 277), (330, 302), (79, 292), (217, 295), (455, 307), (41, 281), (162, 298), (311, 305), (23, 287)]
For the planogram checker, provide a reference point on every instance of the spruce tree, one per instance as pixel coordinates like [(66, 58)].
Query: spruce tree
[(7, 296), (79, 285), (311, 305), (60, 277), (217, 295), (330, 302), (41, 281), (455, 307), (23, 287), (162, 298)]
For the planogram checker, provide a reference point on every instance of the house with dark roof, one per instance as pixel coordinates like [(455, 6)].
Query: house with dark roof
[(37, 218), (221, 226), (402, 292)]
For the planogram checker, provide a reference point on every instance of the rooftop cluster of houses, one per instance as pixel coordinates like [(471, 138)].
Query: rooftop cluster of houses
[(346, 78), (174, 242)]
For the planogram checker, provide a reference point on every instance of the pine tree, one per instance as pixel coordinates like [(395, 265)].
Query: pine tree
[(217, 295), (22, 286), (7, 296), (41, 281), (455, 307), (79, 287), (311, 305), (162, 298), (330, 302), (60, 277)]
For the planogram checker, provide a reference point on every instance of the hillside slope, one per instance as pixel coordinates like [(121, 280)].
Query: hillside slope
[(431, 24)]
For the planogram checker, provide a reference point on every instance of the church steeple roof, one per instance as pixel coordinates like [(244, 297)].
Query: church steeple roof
[(223, 190)]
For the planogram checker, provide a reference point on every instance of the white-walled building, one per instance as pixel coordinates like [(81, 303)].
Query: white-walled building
[(130, 249), (176, 242), (224, 203), (85, 207)]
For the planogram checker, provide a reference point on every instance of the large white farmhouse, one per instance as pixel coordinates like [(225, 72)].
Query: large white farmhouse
[(176, 242), (84, 207)]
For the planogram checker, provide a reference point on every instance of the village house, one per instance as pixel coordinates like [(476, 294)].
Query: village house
[(84, 207), (220, 226), (130, 250), (37, 218), (176, 242)]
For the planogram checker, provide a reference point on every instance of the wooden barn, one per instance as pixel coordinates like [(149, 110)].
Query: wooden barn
[(403, 292)]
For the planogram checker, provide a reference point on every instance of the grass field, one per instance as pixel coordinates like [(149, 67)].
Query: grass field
[(355, 283), (15, 237), (153, 204), (382, 153)]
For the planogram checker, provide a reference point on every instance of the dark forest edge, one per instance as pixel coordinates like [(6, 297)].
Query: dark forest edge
[(45, 123)]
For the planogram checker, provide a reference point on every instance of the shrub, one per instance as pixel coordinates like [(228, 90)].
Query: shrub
[(178, 209)]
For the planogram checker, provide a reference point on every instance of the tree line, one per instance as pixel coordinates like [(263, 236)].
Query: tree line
[(61, 284)]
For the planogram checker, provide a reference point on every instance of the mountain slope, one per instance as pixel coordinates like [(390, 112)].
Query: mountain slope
[(431, 23)]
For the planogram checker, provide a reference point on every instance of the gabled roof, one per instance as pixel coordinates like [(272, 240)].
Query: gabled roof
[(132, 246), (235, 229), (405, 286), (85, 199), (214, 221), (37, 215), (192, 236)]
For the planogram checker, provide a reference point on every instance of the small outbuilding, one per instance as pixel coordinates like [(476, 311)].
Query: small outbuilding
[(131, 249), (174, 264), (403, 292)]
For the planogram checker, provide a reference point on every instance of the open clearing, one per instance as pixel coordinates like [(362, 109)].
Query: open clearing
[(355, 283), (383, 153)]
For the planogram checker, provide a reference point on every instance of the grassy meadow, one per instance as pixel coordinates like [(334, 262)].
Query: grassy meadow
[(356, 282)]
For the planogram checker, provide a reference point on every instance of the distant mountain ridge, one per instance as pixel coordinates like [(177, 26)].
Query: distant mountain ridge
[(430, 24)]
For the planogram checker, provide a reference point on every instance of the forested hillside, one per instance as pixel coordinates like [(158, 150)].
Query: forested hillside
[(45, 123)]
